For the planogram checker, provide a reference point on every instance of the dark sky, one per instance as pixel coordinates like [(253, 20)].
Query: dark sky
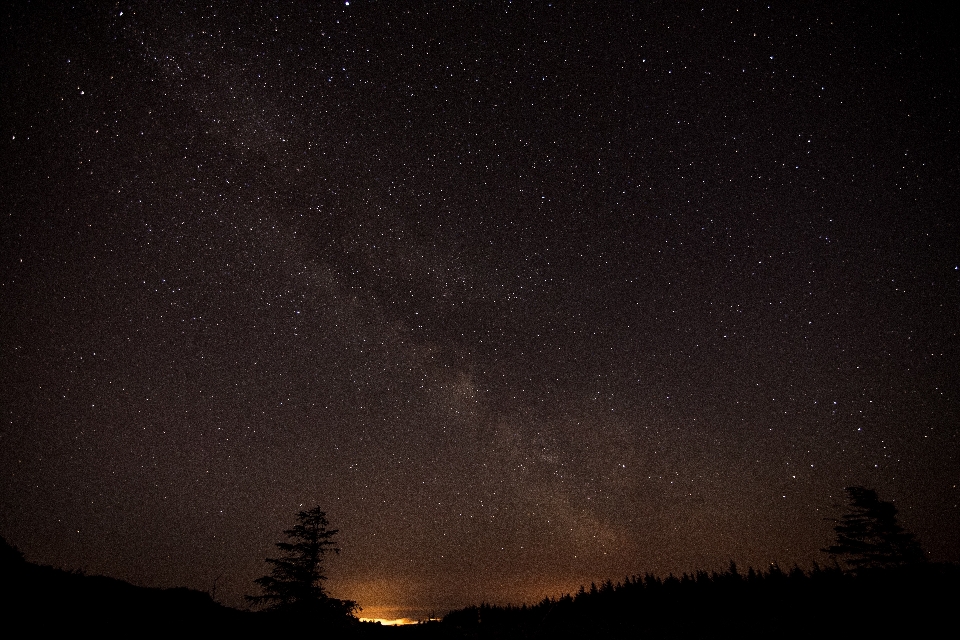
[(522, 295)]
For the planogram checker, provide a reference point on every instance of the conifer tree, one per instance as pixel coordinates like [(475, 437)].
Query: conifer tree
[(869, 536), (296, 582)]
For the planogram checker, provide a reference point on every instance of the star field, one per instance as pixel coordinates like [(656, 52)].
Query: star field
[(523, 295)]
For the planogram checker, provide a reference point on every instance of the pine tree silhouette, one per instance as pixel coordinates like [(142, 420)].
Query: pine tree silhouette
[(296, 582), (869, 536)]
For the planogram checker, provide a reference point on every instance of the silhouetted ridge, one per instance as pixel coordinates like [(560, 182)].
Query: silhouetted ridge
[(41, 599), (891, 602)]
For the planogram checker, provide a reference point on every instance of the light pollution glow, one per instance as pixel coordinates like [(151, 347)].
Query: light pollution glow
[(390, 623)]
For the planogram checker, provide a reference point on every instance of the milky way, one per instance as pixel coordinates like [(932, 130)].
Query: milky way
[(524, 296)]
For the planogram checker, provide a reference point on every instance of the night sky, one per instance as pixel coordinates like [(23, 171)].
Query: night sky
[(523, 295)]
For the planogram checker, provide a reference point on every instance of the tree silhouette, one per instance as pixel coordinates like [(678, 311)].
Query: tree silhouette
[(869, 536), (296, 582)]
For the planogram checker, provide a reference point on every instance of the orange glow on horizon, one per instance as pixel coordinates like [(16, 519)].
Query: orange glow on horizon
[(390, 623)]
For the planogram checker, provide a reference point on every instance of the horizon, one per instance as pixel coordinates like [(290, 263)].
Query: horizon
[(391, 614), (523, 297)]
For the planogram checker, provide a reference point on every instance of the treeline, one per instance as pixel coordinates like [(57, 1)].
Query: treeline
[(823, 602), (885, 588)]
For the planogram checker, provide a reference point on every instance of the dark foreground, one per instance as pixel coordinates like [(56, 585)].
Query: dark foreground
[(906, 602), (918, 601)]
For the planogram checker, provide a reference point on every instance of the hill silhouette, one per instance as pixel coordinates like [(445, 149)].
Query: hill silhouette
[(43, 599), (39, 601), (906, 601)]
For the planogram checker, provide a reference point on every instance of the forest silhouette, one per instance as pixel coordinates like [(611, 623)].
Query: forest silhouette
[(879, 585)]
